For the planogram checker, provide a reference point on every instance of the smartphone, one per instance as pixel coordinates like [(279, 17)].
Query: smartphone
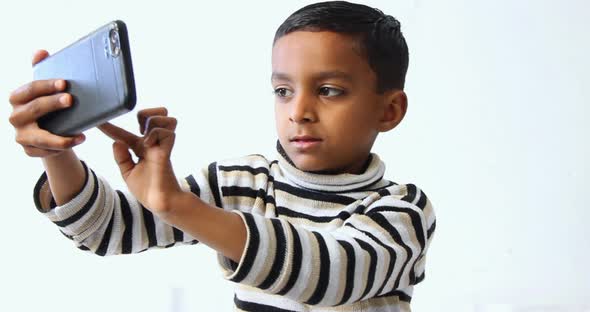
[(99, 76)]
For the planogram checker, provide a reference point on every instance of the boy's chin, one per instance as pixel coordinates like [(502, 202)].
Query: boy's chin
[(309, 164), (311, 169)]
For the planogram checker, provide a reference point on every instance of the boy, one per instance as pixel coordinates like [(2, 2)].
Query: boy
[(317, 229)]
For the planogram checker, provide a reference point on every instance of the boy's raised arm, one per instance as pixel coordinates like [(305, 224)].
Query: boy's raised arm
[(65, 175), (31, 101), (106, 221), (84, 206)]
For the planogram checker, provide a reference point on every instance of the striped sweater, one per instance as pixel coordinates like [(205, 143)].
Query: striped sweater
[(315, 242)]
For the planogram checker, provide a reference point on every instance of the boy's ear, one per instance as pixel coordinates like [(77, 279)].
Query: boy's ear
[(395, 104)]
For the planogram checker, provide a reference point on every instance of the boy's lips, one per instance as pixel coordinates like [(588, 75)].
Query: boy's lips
[(305, 142), (304, 138)]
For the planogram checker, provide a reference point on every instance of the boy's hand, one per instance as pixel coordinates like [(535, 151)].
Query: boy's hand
[(32, 101), (151, 179)]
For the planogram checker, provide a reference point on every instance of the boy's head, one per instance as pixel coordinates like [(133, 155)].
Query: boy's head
[(338, 74)]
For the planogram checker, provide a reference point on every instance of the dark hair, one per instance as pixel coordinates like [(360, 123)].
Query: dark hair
[(379, 34)]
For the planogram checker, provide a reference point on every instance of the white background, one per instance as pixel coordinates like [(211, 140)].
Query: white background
[(496, 134)]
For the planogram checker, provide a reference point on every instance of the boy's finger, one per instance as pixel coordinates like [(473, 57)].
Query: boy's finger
[(159, 122), (46, 140), (32, 151), (39, 55), (123, 158), (120, 134), (35, 89), (32, 111), (161, 137), (143, 114)]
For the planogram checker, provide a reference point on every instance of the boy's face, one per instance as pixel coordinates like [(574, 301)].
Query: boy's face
[(327, 109)]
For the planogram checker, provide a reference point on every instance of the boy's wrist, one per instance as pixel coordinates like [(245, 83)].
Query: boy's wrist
[(221, 230), (176, 205)]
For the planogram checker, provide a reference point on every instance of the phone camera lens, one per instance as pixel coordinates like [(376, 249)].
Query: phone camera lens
[(114, 36), (114, 43)]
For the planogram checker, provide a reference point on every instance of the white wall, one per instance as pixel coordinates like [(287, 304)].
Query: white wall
[(496, 134)]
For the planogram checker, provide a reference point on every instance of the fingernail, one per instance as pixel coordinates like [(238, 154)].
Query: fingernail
[(64, 100), (58, 84), (145, 126), (79, 140)]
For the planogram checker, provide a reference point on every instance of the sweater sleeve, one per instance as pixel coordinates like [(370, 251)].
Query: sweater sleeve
[(378, 252), (105, 221)]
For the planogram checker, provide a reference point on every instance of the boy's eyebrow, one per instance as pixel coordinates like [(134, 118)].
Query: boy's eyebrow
[(318, 76)]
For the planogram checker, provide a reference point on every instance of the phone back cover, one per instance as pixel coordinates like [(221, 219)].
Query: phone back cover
[(102, 85)]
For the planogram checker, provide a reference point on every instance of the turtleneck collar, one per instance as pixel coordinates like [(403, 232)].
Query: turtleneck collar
[(334, 182)]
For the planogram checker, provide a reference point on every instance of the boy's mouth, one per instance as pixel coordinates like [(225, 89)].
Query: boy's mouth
[(305, 142), (304, 138)]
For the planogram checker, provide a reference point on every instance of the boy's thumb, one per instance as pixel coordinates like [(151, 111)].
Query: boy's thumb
[(123, 158)]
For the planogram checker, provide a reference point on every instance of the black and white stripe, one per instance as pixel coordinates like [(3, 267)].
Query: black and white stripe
[(355, 246)]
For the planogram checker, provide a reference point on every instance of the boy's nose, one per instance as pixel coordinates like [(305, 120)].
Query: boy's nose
[(302, 110)]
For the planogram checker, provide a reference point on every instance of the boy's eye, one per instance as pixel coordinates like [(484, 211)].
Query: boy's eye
[(329, 91), (282, 92)]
